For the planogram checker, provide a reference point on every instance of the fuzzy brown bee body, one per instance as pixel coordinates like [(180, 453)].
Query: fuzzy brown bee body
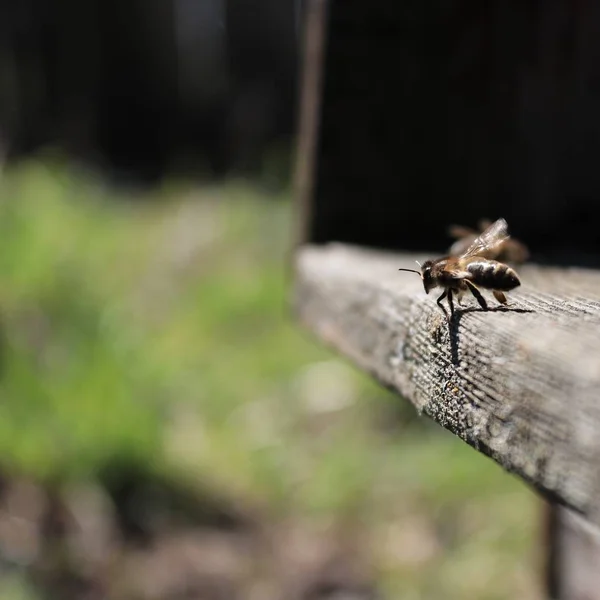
[(472, 270)]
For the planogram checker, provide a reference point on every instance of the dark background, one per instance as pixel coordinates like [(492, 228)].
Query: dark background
[(140, 87), (438, 113), (433, 113)]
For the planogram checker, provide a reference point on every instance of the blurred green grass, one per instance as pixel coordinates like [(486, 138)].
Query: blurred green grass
[(156, 330)]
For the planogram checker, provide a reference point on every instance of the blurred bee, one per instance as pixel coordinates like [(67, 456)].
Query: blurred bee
[(510, 251), (471, 270)]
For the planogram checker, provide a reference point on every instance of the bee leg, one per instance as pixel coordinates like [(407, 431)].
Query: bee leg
[(500, 296), (458, 294), (439, 302), (477, 294), (450, 302)]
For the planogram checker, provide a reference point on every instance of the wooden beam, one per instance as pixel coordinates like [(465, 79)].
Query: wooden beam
[(520, 384)]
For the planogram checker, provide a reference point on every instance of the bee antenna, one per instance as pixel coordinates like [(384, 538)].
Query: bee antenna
[(410, 271), (418, 263)]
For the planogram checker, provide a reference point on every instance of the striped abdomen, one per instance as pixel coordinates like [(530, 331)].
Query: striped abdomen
[(492, 275)]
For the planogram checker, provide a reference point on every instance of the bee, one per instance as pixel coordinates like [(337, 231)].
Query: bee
[(471, 270), (511, 251)]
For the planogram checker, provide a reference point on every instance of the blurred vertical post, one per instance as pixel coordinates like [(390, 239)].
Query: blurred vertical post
[(312, 54), (572, 556)]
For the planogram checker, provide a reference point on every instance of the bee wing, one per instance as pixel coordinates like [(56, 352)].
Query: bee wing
[(456, 269), (491, 238), (460, 273), (459, 247), (460, 231)]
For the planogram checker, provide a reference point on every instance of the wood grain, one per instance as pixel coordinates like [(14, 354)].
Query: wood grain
[(520, 384)]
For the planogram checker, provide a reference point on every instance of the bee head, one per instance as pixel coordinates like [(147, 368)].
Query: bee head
[(425, 274), (428, 280)]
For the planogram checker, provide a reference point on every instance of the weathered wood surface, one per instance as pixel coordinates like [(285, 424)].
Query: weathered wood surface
[(521, 384)]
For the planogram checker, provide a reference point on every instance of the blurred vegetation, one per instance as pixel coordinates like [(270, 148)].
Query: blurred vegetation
[(157, 333)]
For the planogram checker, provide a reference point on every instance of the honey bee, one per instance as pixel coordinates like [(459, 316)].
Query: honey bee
[(471, 270), (511, 251)]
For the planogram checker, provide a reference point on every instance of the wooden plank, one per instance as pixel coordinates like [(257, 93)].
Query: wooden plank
[(521, 384)]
